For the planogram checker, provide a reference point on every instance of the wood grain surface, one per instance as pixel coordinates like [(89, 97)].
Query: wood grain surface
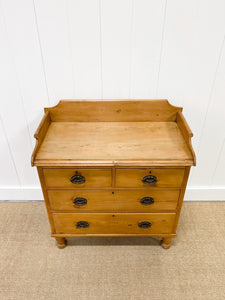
[(160, 142), (114, 223), (113, 111), (113, 146), (93, 178), (133, 177), (113, 201)]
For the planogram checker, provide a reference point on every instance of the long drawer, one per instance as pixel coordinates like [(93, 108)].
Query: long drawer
[(145, 177), (78, 178), (93, 223), (113, 201)]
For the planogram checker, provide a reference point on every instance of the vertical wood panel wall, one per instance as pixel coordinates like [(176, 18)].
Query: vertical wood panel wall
[(111, 49)]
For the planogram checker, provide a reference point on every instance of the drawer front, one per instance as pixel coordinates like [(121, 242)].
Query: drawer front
[(146, 200), (81, 200), (114, 223), (113, 201), (82, 178), (143, 178)]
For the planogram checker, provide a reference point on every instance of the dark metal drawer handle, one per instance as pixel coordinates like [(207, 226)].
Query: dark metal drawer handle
[(77, 179), (82, 224), (80, 201), (149, 179), (144, 224), (147, 201)]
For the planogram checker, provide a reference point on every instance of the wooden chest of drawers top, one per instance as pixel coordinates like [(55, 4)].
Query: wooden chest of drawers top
[(113, 133)]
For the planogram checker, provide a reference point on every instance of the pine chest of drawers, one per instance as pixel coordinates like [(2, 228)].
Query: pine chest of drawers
[(113, 168)]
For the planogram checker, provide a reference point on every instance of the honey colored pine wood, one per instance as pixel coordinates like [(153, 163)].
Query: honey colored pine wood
[(113, 111), (40, 134), (97, 178), (47, 204), (113, 200), (186, 132), (114, 143), (61, 242), (133, 177), (93, 158), (166, 242), (114, 223)]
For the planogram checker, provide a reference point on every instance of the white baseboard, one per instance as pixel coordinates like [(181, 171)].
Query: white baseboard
[(20, 193), (205, 194), (35, 193)]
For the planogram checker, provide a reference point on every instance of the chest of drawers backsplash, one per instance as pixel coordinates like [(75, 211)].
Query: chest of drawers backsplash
[(113, 168)]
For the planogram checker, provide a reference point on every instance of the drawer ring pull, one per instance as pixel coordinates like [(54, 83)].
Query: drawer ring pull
[(144, 224), (82, 224), (80, 201), (77, 178), (149, 179), (147, 201)]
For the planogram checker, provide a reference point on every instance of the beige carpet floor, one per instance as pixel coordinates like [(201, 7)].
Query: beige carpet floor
[(32, 267)]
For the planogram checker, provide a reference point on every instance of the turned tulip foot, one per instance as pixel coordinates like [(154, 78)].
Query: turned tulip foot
[(166, 242), (61, 242)]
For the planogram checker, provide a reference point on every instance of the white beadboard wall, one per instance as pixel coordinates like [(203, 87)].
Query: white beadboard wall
[(111, 49)]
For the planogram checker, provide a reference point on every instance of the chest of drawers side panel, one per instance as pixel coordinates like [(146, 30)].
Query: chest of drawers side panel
[(181, 197), (45, 194)]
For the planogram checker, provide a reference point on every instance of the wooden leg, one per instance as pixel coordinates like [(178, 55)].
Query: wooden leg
[(61, 242), (166, 242)]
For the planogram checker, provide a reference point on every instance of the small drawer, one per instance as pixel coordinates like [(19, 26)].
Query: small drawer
[(149, 177), (77, 178), (117, 223), (113, 201)]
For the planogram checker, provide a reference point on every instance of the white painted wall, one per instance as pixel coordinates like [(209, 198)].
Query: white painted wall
[(54, 49)]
